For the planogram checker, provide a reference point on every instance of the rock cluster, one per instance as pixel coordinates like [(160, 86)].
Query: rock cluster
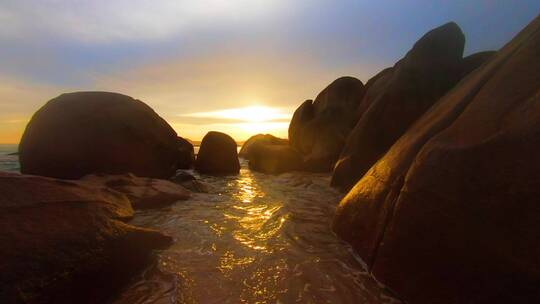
[(67, 241), (450, 213), (398, 97)]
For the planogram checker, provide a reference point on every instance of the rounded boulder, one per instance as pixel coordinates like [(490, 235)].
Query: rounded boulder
[(217, 155), (76, 134)]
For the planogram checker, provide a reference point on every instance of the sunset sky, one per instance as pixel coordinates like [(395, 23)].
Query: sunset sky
[(237, 66)]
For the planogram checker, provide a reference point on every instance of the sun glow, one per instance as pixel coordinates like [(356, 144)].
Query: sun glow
[(251, 114), (240, 123)]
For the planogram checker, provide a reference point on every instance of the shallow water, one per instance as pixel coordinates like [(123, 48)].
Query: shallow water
[(8, 162), (255, 238)]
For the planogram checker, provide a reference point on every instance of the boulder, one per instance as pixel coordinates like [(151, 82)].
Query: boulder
[(318, 129), (274, 159), (143, 192), (450, 214), (217, 155), (81, 133), (260, 139), (186, 154), (398, 97), (63, 241)]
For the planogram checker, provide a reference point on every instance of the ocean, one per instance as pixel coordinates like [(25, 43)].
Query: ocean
[(8, 161), (253, 238)]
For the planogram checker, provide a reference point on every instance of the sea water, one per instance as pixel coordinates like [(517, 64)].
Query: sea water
[(253, 238)]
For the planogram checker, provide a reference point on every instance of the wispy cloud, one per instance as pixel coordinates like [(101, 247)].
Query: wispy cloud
[(102, 21)]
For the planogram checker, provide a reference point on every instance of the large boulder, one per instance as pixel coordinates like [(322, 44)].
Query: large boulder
[(64, 241), (80, 133), (259, 139), (274, 159), (217, 155), (450, 214), (397, 97), (318, 129)]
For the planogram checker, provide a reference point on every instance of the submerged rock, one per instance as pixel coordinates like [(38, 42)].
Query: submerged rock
[(143, 193), (64, 242), (397, 97), (217, 155), (260, 139), (450, 214), (189, 182), (318, 129), (81, 133)]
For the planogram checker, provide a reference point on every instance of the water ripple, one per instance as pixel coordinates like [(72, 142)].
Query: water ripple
[(255, 239)]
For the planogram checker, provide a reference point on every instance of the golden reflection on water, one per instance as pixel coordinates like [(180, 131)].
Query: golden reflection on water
[(260, 239), (255, 221)]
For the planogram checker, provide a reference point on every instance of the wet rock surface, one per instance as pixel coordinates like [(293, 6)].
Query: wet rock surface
[(65, 242)]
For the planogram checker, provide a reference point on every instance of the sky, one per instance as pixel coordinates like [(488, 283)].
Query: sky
[(236, 66)]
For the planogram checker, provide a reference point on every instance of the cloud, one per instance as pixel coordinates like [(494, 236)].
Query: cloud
[(255, 113), (103, 21)]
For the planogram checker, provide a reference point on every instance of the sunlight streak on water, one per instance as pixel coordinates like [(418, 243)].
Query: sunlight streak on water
[(256, 239)]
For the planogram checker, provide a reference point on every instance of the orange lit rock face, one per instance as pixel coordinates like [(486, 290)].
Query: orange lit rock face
[(450, 214), (98, 132), (63, 241)]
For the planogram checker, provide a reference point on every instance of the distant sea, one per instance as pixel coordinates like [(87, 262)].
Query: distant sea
[(10, 162)]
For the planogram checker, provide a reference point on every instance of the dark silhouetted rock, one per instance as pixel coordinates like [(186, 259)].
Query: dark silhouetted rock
[(398, 97), (474, 61), (260, 139), (451, 213), (62, 241), (217, 155), (318, 129), (143, 192), (186, 154), (81, 133), (274, 159)]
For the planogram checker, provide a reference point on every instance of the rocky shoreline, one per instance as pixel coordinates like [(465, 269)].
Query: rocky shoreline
[(438, 155)]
